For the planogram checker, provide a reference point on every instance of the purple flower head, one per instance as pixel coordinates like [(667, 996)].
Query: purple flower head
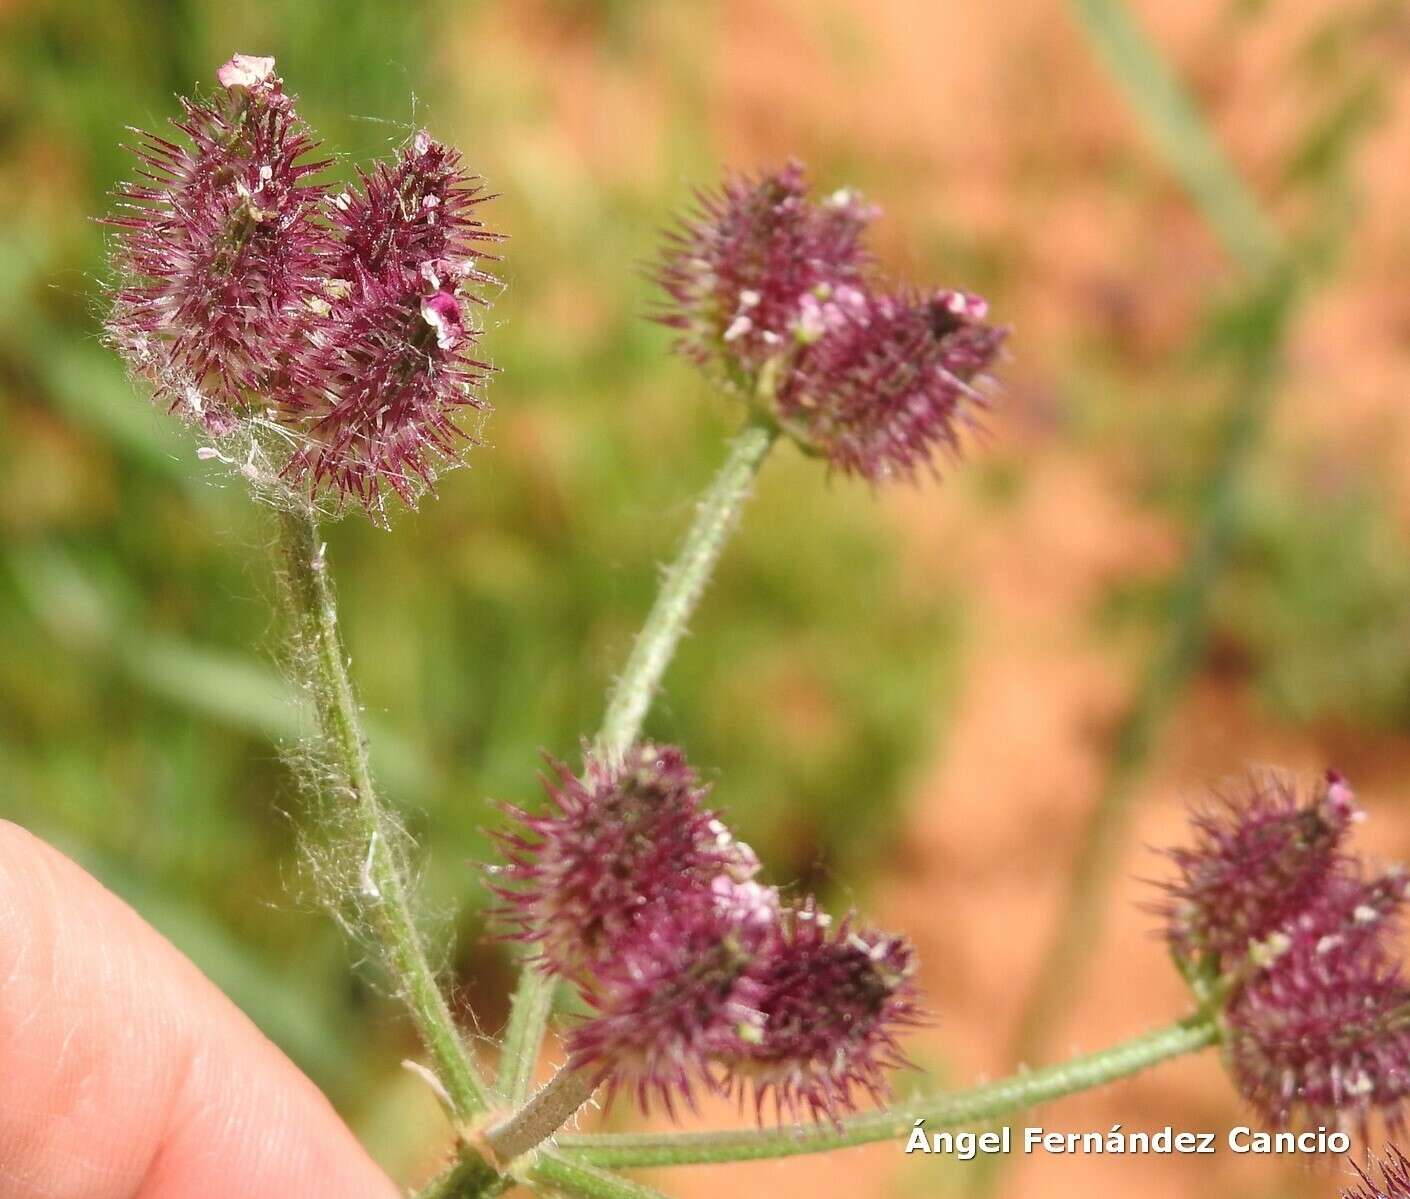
[(617, 847), (1354, 916), (884, 382), (738, 995), (390, 364), (1295, 938), (1262, 856), (738, 271), (1394, 1181), (412, 218), (832, 1004), (695, 973), (219, 247), (334, 332), (774, 291)]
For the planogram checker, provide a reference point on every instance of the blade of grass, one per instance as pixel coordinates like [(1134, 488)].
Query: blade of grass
[(1182, 134), (73, 606)]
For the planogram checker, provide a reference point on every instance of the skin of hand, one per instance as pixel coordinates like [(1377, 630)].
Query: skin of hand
[(125, 1074)]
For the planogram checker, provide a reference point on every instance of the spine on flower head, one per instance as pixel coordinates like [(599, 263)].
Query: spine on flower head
[(695, 973), (1294, 937), (219, 248), (1394, 1182), (773, 292)]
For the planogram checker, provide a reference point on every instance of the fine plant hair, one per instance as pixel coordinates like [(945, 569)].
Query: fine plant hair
[(323, 343), (333, 852)]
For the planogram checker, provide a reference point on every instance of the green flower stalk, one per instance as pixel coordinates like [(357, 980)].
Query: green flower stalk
[(379, 888)]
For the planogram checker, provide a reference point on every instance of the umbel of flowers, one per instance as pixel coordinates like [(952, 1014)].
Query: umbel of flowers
[(327, 334), (774, 295), (1292, 938), (696, 973)]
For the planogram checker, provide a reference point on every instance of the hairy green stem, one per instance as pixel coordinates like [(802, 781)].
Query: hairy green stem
[(681, 589), (552, 1106), (528, 1015), (560, 1176), (381, 882), (684, 583), (958, 1108)]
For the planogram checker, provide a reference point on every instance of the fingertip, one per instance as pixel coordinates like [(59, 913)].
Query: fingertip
[(128, 1075)]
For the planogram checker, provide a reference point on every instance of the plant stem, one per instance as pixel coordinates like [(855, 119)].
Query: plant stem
[(681, 589), (381, 887), (976, 1106), (527, 1129), (551, 1107), (558, 1175), (528, 1015), (472, 1178)]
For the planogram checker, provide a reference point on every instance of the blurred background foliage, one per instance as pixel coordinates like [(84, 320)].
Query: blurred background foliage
[(139, 715)]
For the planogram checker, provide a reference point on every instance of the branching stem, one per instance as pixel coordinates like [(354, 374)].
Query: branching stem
[(959, 1108)]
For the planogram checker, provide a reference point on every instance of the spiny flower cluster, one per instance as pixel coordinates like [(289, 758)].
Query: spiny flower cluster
[(1295, 935), (332, 328), (384, 372), (219, 247), (696, 973), (774, 293)]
